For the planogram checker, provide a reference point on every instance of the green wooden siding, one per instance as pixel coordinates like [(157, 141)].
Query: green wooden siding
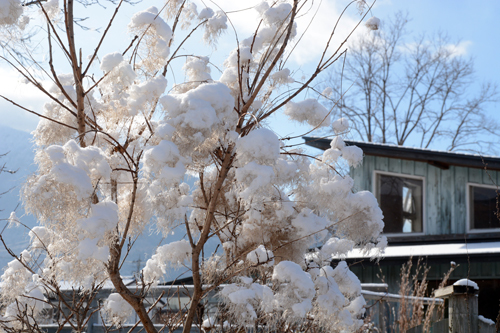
[(445, 190), (475, 270)]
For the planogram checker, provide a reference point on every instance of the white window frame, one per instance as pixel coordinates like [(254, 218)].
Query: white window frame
[(468, 209), (424, 191)]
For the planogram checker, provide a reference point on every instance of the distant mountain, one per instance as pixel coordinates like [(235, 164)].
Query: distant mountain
[(20, 154)]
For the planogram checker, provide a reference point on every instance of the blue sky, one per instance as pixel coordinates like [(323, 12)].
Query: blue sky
[(475, 24)]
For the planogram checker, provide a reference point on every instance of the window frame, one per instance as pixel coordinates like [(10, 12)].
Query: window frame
[(424, 200), (468, 221)]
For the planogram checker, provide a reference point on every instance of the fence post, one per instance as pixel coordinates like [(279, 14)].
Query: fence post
[(462, 306)]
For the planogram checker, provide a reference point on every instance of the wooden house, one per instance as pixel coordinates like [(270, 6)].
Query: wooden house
[(439, 206)]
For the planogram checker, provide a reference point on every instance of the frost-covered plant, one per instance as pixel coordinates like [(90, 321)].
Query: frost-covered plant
[(115, 149)]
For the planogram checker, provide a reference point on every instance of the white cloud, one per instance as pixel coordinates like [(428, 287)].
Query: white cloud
[(460, 48), (317, 34), (309, 49), (24, 94)]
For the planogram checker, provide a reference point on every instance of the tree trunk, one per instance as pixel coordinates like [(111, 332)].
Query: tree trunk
[(77, 73), (198, 291)]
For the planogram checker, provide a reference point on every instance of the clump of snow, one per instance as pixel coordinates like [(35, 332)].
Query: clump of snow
[(202, 115), (88, 248), (274, 15), (216, 23), (246, 298), (486, 320), (51, 7), (309, 224), (157, 35), (308, 111), (14, 280), (40, 237), (327, 92), (189, 14), (117, 309), (363, 218), (28, 306), (348, 282), (353, 155), (357, 307), (261, 146), (331, 155), (13, 219), (103, 217), (165, 161), (208, 324), (253, 178), (239, 57), (146, 92), (75, 166), (298, 281), (197, 70), (174, 254), (373, 23), (336, 247), (10, 11), (282, 77), (205, 13), (110, 61), (149, 18), (466, 282), (340, 125), (261, 255), (337, 143)]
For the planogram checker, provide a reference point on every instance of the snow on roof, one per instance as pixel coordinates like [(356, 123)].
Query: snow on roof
[(68, 286), (355, 142), (430, 250), (438, 158)]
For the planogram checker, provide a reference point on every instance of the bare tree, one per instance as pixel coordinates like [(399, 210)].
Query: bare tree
[(419, 92)]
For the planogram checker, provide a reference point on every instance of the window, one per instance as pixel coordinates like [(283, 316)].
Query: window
[(400, 199), (483, 207)]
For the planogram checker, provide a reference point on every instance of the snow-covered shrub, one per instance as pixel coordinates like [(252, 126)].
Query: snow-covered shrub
[(118, 144)]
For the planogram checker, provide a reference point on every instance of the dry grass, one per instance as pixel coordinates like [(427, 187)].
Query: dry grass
[(411, 311)]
